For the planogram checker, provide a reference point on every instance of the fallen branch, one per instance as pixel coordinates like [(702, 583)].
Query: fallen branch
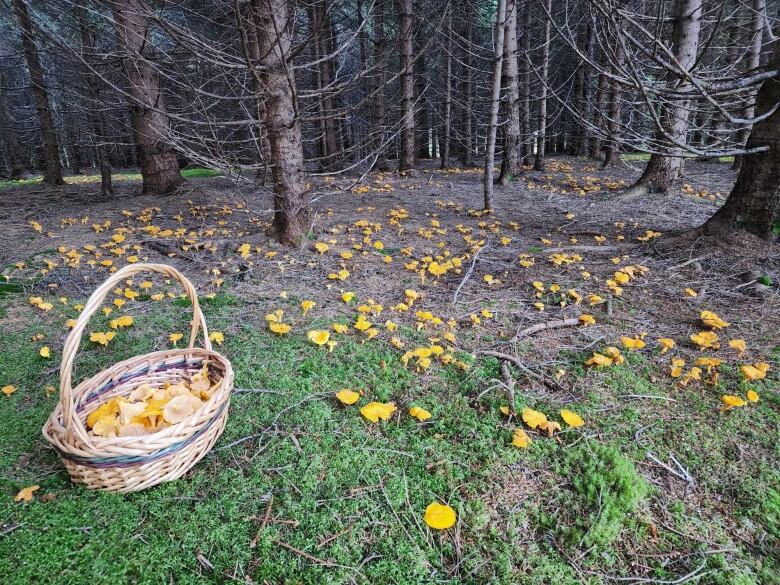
[(468, 273), (545, 325), (308, 556), (691, 261), (681, 472), (523, 368), (510, 385), (648, 396), (584, 248), (263, 523)]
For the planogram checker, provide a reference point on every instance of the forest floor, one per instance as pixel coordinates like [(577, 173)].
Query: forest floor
[(658, 486)]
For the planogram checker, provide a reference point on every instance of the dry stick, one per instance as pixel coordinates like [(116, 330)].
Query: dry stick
[(468, 273), (691, 261), (516, 361), (697, 572), (335, 536), (585, 248), (546, 325), (309, 556), (648, 396), (682, 474), (510, 385), (263, 523)]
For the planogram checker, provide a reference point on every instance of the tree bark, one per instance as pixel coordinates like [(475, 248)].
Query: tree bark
[(421, 124), (447, 107), (291, 201), (51, 151), (157, 159), (93, 95), (406, 50), (612, 149), (380, 44), (751, 64), (661, 171), (582, 82), (595, 146), (512, 162), (319, 16), (525, 81), (468, 91), (539, 162), (248, 26), (13, 157), (754, 202), (495, 99)]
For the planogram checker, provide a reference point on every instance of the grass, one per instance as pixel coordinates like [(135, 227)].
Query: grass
[(353, 494), (191, 173)]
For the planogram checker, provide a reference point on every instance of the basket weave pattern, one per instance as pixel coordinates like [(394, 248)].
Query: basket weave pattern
[(132, 463)]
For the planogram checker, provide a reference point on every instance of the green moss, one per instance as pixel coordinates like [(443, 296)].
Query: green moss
[(604, 491)]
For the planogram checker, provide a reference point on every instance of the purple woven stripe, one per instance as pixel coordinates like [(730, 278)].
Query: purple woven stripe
[(111, 384), (130, 461)]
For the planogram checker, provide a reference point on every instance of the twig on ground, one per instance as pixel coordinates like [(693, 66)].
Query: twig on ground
[(691, 261), (468, 272), (262, 433), (510, 385), (263, 522), (648, 396), (308, 556), (545, 325), (255, 391), (334, 536), (681, 472), (516, 361), (696, 573), (584, 248)]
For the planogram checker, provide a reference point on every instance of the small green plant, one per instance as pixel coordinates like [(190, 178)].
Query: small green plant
[(765, 280)]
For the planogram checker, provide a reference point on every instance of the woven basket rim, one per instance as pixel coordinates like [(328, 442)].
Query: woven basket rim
[(55, 425)]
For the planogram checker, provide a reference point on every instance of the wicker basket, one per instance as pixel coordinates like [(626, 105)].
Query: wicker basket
[(132, 463)]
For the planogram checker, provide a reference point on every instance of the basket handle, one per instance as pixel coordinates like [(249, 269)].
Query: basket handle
[(93, 304)]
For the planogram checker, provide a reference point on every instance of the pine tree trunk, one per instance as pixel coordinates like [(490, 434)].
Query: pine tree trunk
[(53, 169), (254, 51), (406, 50), (380, 44), (291, 202), (468, 91), (14, 160), (539, 162), (612, 150), (495, 100), (323, 45), (74, 146), (581, 135), (157, 159), (661, 171), (751, 64), (525, 81), (447, 108), (512, 162), (422, 130), (754, 202), (96, 120), (595, 146)]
